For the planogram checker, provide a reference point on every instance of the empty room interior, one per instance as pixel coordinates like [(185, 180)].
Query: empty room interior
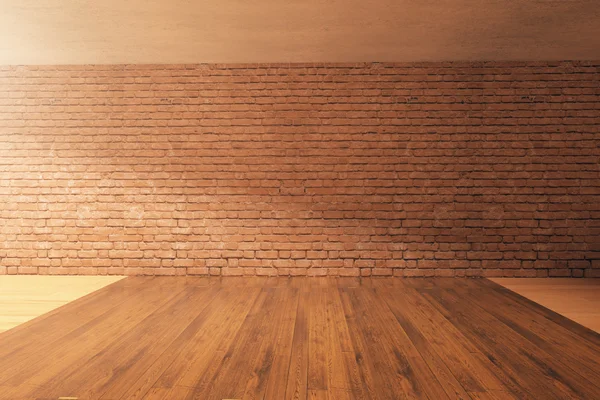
[(285, 199)]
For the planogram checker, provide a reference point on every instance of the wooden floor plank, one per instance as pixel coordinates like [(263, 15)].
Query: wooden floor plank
[(270, 366), (25, 297), (584, 333), (344, 370), (135, 359), (55, 324), (128, 350), (463, 355), (250, 355), (576, 364), (298, 338), (397, 364), (277, 380), (520, 373), (318, 371), (177, 392), (206, 358), (546, 336), (492, 395), (439, 345), (512, 349), (297, 380), (576, 299), (73, 332), (191, 347)]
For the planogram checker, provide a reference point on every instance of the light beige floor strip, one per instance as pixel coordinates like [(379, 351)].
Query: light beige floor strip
[(24, 297), (576, 299)]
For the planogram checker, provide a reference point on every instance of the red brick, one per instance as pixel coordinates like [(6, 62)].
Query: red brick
[(197, 271), (559, 272), (27, 270), (577, 273), (382, 272), (316, 272), (266, 271), (275, 180), (592, 273)]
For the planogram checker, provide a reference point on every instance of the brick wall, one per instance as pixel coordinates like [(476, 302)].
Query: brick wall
[(314, 169)]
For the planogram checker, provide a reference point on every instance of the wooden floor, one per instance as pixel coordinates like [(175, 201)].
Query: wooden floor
[(576, 299), (295, 338), (24, 297)]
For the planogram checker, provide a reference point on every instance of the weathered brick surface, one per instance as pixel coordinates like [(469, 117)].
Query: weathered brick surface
[(449, 169)]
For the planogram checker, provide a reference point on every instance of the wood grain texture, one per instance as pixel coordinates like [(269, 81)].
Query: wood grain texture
[(181, 31), (576, 299), (23, 298), (301, 338)]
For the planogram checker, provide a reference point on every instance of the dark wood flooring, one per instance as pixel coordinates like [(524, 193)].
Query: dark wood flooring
[(298, 338)]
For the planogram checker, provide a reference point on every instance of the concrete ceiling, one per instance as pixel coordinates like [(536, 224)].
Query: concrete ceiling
[(198, 31)]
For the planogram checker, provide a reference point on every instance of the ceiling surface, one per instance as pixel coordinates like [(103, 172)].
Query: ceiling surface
[(229, 31)]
